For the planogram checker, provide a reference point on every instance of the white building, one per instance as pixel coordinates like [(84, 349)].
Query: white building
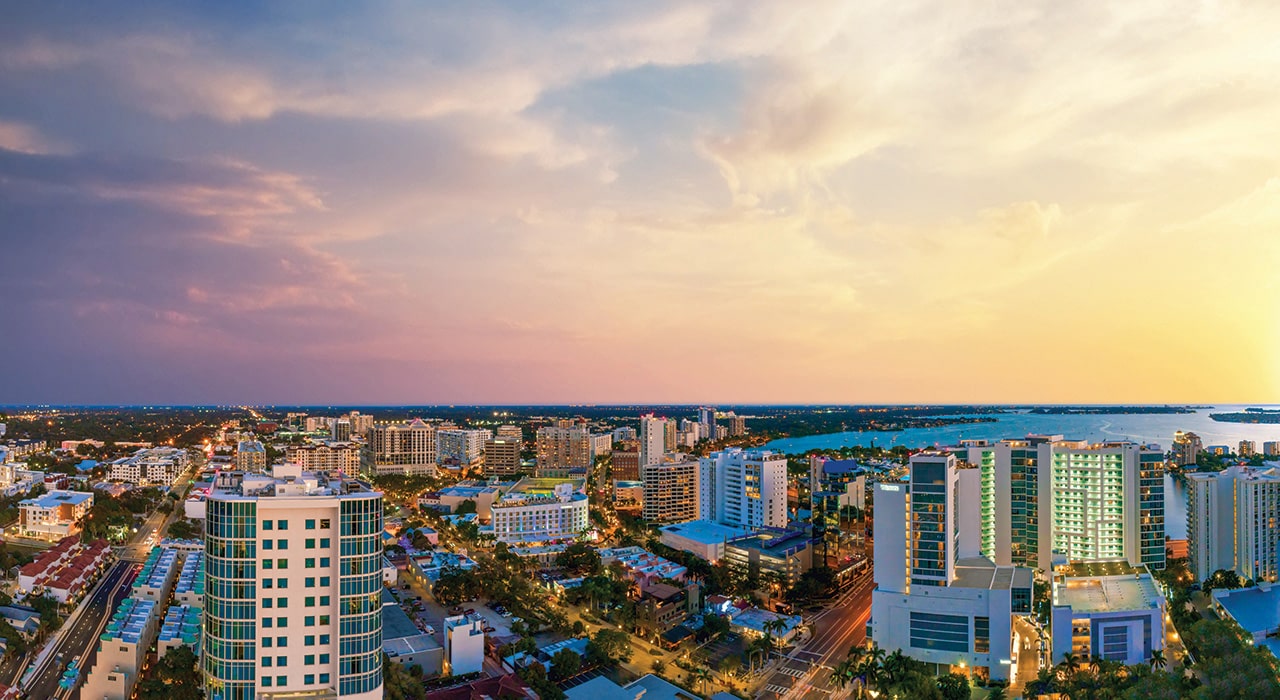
[(601, 444), (122, 649), (624, 433), (1088, 501), (326, 456), (704, 539), (747, 488), (403, 448), (463, 645), (652, 440), (464, 448), (540, 510), (1231, 522), (309, 546), (936, 598), (53, 515), (251, 455), (156, 466), (1119, 617)]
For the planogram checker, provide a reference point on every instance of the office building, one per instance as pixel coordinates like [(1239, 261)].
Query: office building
[(652, 440), (540, 510), (563, 447), (340, 429), (1247, 448), (747, 488), (403, 448), (936, 598), (1271, 448), (670, 490), (1232, 519), (251, 456), (1111, 611), (53, 515), (461, 448), (501, 456), (328, 457), (1187, 447), (625, 461), (737, 425), (294, 583), (1090, 502)]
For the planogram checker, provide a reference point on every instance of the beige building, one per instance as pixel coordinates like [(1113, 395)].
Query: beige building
[(403, 448), (510, 432), (561, 448), (251, 456), (327, 457), (670, 490)]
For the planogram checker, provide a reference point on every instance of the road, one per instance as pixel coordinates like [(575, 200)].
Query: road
[(81, 639), (806, 672)]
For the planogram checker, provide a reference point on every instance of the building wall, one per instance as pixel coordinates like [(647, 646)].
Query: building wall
[(670, 492), (938, 625)]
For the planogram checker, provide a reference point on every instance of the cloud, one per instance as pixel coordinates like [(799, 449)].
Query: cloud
[(24, 139)]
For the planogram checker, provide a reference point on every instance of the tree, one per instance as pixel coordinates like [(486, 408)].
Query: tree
[(954, 686), (658, 666), (467, 506), (715, 625), (565, 664), (1157, 659), (731, 664), (456, 585), (579, 558), (998, 693), (175, 677), (701, 674), (608, 647)]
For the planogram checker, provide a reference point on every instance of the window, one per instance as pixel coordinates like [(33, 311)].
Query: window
[(266, 662), (267, 544), (324, 678), (309, 562), (266, 603), (282, 642), (282, 544), (324, 658), (282, 524), (266, 524), (282, 564), (324, 562), (309, 621), (324, 542), (324, 600), (282, 602), (282, 583), (282, 622), (324, 523), (266, 583), (266, 681), (324, 619), (311, 543), (266, 642), (324, 581), (282, 661), (311, 523), (324, 639), (266, 622), (309, 679), (310, 601), (310, 582), (266, 563), (309, 659), (280, 681), (310, 640)]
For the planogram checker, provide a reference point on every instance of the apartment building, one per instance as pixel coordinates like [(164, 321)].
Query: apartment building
[(53, 515), (294, 581), (670, 489), (740, 487), (459, 447), (652, 440), (1233, 522), (327, 456), (563, 447)]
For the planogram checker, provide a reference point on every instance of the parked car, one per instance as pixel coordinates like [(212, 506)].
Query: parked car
[(469, 611)]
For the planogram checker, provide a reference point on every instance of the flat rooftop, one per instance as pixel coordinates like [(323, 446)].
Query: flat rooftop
[(59, 498), (1107, 594), (980, 572), (1100, 568), (706, 531), (544, 486), (1254, 609)]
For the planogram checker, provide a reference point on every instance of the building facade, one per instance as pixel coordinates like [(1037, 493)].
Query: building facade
[(328, 457), (160, 466), (501, 456), (251, 455), (403, 448), (743, 487), (670, 490), (653, 432), (294, 581), (541, 510), (464, 448), (561, 448)]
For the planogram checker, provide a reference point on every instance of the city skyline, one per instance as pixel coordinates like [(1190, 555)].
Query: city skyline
[(516, 205)]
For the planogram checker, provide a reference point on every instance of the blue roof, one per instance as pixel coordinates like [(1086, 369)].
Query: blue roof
[(87, 465), (1253, 609)]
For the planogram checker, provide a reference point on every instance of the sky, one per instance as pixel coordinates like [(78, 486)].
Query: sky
[(479, 202)]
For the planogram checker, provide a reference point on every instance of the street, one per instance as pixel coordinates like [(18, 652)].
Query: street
[(806, 671)]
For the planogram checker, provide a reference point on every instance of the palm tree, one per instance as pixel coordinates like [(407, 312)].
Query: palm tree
[(895, 666), (1069, 663), (997, 693), (1095, 663), (702, 675), (843, 673), (1157, 659)]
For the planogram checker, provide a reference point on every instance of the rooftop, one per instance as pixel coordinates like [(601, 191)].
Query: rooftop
[(1256, 610), (707, 531), (58, 498), (287, 480), (980, 572), (1107, 593)]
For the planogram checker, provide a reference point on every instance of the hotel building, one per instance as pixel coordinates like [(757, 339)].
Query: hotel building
[(403, 448), (294, 579), (540, 510), (328, 457)]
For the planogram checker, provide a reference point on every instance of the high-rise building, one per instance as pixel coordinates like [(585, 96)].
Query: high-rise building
[(1248, 448), (623, 434), (464, 448), (563, 448), (706, 415), (737, 425), (601, 445), (251, 456), (1271, 448), (340, 429), (403, 448), (317, 424), (652, 440), (669, 435), (361, 423), (328, 457), (936, 599), (1186, 448), (743, 487), (501, 456), (670, 490), (1232, 519), (293, 602), (1089, 502)]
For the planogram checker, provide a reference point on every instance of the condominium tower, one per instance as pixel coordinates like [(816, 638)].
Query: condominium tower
[(1233, 522), (293, 589), (747, 488), (652, 440), (403, 448), (670, 490)]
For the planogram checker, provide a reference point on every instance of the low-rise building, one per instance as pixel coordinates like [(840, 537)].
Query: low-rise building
[(53, 515), (463, 645), (541, 510), (1256, 610), (662, 606), (179, 628), (449, 498), (121, 650), (405, 642), (702, 538), (643, 567), (772, 553), (752, 622), (326, 456), (1117, 617)]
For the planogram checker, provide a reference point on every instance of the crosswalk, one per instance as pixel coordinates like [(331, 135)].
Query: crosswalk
[(793, 672), (777, 689)]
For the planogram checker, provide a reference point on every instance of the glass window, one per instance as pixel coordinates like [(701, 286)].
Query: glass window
[(311, 523), (266, 524), (282, 544), (282, 641), (282, 524), (324, 523)]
